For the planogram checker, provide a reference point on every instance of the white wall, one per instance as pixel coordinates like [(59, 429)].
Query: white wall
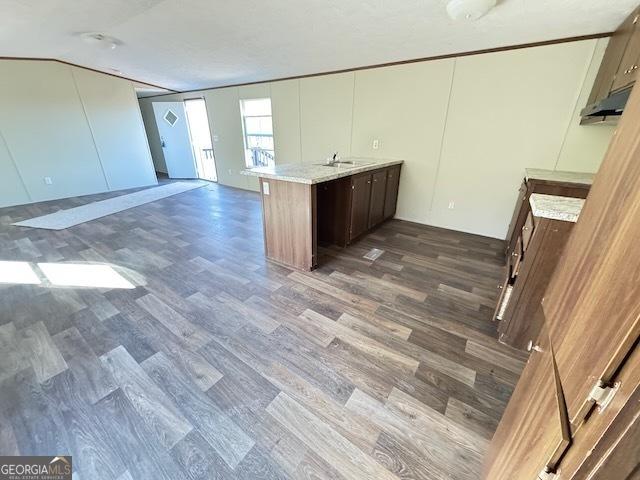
[(466, 127), (405, 109), (285, 108), (326, 116), (81, 128), (116, 123)]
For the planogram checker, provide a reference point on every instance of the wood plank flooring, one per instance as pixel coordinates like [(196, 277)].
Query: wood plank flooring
[(219, 364)]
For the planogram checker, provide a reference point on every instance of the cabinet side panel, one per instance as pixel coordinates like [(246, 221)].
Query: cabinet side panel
[(288, 211)]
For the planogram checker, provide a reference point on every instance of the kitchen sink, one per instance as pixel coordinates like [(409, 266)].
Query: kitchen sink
[(345, 164)]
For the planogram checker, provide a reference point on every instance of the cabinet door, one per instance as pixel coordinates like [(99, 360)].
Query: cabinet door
[(391, 195), (612, 61), (360, 196), (378, 192), (628, 69), (592, 303), (534, 432)]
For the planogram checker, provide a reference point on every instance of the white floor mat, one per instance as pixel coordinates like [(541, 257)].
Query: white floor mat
[(85, 213)]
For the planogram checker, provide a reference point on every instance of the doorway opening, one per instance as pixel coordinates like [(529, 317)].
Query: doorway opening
[(200, 135)]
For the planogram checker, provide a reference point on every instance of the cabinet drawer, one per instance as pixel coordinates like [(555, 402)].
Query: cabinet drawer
[(503, 287), (527, 232), (516, 257)]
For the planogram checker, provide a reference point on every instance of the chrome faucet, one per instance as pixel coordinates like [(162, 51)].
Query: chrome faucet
[(333, 160)]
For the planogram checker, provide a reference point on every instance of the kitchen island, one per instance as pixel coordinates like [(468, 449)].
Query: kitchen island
[(304, 204)]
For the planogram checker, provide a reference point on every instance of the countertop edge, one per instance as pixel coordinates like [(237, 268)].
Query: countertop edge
[(559, 176), (555, 207), (329, 177)]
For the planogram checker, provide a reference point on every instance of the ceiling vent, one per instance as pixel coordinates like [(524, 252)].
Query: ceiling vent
[(100, 40), (469, 10)]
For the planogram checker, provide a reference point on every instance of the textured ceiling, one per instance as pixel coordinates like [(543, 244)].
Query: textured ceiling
[(189, 44)]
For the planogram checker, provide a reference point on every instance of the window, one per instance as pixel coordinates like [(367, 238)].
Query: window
[(258, 132)]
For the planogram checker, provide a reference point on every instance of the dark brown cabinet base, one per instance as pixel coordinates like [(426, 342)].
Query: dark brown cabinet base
[(351, 206)]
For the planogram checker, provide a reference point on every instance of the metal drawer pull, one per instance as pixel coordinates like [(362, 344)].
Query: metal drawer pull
[(603, 395), (535, 348)]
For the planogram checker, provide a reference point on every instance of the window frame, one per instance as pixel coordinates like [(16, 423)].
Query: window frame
[(246, 134)]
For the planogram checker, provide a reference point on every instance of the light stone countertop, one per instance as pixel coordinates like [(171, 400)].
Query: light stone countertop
[(556, 207), (317, 173), (559, 176)]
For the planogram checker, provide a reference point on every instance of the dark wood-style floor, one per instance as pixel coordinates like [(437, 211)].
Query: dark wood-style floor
[(220, 364)]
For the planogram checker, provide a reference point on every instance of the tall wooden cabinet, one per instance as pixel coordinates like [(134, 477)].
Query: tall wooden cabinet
[(620, 65), (538, 254), (534, 245), (591, 311)]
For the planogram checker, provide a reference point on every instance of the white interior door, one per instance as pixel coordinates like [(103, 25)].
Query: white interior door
[(173, 128)]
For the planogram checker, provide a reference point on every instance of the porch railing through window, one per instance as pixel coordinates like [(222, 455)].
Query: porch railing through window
[(261, 157)]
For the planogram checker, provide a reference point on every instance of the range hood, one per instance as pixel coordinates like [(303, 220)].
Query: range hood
[(613, 105)]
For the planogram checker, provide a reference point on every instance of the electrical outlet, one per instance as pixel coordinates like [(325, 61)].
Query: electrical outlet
[(48, 181), (452, 205), (215, 138), (265, 188), (230, 171), (376, 144)]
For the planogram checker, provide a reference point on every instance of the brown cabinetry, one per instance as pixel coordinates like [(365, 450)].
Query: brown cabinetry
[(360, 204), (349, 207), (626, 73), (378, 196), (534, 421), (560, 187), (540, 254), (534, 246), (391, 195), (297, 216), (620, 64), (591, 312)]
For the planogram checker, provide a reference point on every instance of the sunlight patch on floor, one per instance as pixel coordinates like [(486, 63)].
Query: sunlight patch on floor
[(84, 275), (18, 272)]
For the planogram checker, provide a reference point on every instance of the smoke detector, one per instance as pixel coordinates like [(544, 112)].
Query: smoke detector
[(100, 40), (469, 10)]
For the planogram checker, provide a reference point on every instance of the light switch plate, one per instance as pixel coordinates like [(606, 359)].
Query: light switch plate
[(376, 144), (48, 181), (265, 188)]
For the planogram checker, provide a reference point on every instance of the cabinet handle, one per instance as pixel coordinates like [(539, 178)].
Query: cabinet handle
[(500, 287), (635, 67), (525, 228), (533, 348)]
